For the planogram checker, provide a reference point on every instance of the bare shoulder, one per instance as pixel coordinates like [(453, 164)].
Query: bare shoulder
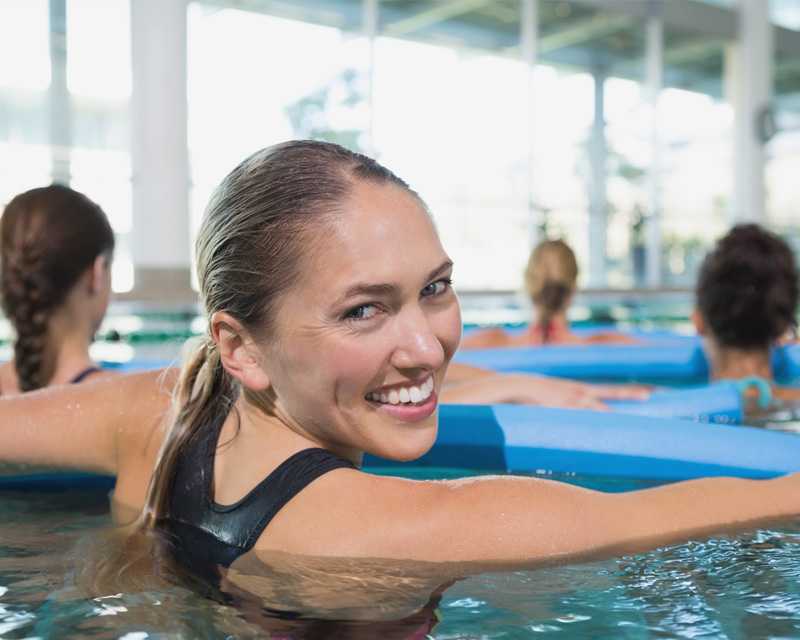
[(350, 513), (145, 401), (486, 339), (610, 337), (149, 413), (788, 394), (82, 426), (8, 379)]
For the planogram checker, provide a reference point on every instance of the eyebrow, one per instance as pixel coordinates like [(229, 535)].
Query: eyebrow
[(387, 289)]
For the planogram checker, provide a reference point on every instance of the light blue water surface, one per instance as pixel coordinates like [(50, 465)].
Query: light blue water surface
[(736, 585)]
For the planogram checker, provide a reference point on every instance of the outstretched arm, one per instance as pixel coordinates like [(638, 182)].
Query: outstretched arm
[(80, 426), (511, 519)]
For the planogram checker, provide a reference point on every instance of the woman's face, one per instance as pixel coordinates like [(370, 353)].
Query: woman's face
[(361, 344)]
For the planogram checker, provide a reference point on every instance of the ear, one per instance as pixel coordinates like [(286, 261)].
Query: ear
[(98, 274), (237, 349), (699, 322)]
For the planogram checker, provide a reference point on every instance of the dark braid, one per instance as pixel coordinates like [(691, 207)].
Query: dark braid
[(26, 299), (49, 237)]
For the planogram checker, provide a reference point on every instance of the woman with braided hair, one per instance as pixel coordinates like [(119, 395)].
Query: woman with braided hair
[(550, 280), (56, 247), (331, 325)]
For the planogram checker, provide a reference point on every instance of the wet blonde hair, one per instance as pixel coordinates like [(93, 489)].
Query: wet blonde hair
[(550, 279)]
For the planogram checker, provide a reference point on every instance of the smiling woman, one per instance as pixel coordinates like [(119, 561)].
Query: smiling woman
[(331, 326)]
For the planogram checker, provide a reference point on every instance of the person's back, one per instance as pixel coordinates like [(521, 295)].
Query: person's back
[(551, 277), (746, 300), (56, 247)]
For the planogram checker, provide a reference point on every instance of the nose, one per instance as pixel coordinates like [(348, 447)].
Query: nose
[(418, 346)]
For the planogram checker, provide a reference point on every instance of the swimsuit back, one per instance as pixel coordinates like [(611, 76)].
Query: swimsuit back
[(221, 533)]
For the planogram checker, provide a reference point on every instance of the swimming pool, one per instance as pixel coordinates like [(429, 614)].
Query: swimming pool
[(739, 585)]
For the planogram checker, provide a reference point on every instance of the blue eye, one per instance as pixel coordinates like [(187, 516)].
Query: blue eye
[(361, 312), (436, 288)]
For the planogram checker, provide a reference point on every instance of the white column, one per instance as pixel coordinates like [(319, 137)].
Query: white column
[(598, 199), (749, 83), (59, 107), (654, 82), (369, 19), (529, 45), (159, 154)]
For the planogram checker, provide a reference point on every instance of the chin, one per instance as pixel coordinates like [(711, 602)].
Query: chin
[(406, 448)]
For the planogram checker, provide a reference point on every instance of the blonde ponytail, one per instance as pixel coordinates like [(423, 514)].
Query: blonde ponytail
[(550, 279), (203, 397)]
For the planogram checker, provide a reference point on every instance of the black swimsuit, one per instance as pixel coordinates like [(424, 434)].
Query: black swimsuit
[(84, 374), (205, 534), (78, 378)]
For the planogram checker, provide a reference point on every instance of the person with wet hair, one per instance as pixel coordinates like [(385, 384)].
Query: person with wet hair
[(551, 277), (56, 248), (331, 324), (746, 303)]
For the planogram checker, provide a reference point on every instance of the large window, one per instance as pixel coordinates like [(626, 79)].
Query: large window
[(783, 151), (449, 117), (64, 105), (24, 136), (444, 94), (260, 78)]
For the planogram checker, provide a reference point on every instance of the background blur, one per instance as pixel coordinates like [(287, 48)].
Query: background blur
[(637, 130)]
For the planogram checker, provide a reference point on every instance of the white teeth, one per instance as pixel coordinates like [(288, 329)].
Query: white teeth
[(404, 395)]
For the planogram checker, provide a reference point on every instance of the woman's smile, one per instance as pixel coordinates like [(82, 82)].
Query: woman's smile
[(408, 402)]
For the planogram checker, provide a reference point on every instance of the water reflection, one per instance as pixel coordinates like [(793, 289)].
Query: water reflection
[(64, 572)]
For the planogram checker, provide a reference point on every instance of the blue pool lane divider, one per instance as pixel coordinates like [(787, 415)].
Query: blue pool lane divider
[(673, 360), (719, 403), (524, 439), (786, 362), (678, 359), (520, 439)]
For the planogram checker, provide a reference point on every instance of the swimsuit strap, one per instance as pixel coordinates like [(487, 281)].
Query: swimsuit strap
[(762, 386), (224, 532), (84, 374), (555, 332), (271, 494)]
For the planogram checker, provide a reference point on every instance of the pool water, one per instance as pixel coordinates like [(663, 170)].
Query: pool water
[(736, 585)]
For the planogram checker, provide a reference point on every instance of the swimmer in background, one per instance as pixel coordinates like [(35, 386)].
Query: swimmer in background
[(326, 287), (550, 281), (746, 304), (56, 248)]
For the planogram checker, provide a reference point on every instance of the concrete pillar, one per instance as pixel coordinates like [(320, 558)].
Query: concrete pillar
[(529, 45), (60, 109), (654, 82), (159, 153), (598, 199), (369, 20), (748, 76)]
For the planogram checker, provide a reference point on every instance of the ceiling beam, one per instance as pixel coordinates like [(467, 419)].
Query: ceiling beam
[(584, 30), (432, 16), (699, 17)]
